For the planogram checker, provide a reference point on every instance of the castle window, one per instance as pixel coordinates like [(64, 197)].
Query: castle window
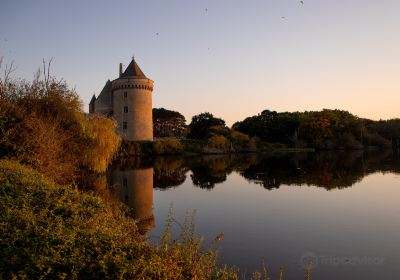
[(124, 125), (125, 109), (125, 94), (125, 182)]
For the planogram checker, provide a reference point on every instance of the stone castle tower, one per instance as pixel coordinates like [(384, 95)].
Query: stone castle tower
[(129, 100)]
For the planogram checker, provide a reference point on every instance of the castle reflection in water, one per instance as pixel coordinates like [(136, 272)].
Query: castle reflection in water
[(133, 183), (134, 187)]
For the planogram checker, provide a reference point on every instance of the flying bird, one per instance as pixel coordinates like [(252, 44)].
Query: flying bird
[(302, 2), (206, 9)]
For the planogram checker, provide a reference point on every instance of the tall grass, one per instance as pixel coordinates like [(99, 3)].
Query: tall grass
[(50, 231)]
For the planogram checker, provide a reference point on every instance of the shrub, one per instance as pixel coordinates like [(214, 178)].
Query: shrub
[(167, 147), (103, 142), (374, 139), (218, 142), (52, 232), (42, 124)]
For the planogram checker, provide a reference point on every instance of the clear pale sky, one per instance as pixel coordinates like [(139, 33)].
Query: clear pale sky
[(231, 58)]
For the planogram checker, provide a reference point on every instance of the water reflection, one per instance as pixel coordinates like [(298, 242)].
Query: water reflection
[(330, 170), (134, 181), (134, 187), (261, 221), (169, 172)]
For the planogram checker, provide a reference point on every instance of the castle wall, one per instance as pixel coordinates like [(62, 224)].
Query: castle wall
[(138, 100), (103, 103)]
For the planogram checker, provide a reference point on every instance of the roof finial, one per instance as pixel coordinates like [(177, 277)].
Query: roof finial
[(133, 57)]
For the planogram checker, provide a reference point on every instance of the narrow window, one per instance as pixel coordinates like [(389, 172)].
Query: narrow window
[(125, 182), (125, 94), (125, 125), (125, 109), (126, 198)]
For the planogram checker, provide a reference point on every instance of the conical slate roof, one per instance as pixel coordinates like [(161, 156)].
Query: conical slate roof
[(133, 70), (93, 99)]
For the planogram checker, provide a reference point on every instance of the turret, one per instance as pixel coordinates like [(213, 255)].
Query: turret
[(132, 104)]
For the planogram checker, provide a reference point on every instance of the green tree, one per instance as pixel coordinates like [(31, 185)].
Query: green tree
[(201, 125), (167, 123)]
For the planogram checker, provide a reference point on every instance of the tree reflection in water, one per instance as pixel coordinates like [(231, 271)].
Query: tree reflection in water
[(330, 170), (133, 182)]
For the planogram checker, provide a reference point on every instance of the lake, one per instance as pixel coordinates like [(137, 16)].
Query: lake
[(338, 210)]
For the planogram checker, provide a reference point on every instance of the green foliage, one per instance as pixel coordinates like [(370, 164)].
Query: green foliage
[(52, 232), (42, 124), (270, 126), (103, 142), (167, 123), (201, 125), (135, 148), (326, 129), (218, 142), (167, 147)]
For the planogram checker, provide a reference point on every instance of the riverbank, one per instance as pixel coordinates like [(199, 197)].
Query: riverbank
[(172, 146), (52, 231)]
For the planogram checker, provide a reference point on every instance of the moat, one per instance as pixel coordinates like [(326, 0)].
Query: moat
[(338, 210)]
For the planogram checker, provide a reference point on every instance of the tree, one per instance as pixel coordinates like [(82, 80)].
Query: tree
[(167, 123), (201, 125), (42, 124), (270, 126)]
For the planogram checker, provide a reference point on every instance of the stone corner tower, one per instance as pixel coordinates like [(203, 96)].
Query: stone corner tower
[(129, 100)]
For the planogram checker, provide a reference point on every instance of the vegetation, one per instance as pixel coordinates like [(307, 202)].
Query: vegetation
[(326, 129), (167, 147), (201, 124), (270, 130), (167, 123), (42, 124), (213, 136), (51, 232)]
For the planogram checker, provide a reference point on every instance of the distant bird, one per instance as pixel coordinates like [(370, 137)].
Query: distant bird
[(206, 9), (302, 2), (282, 17), (157, 34)]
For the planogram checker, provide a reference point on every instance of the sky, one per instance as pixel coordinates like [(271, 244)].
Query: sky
[(233, 58)]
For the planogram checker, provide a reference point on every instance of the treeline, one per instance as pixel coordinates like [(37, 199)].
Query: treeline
[(204, 134), (326, 129), (43, 125)]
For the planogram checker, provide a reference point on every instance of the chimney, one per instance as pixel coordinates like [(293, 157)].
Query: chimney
[(120, 69)]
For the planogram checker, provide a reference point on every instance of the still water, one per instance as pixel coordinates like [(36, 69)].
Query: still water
[(339, 210)]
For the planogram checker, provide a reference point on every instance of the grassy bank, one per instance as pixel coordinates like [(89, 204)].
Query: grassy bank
[(56, 232), (51, 231), (172, 146)]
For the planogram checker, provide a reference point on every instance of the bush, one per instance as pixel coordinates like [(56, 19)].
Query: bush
[(42, 124), (103, 142), (218, 142), (52, 232), (374, 139), (167, 147)]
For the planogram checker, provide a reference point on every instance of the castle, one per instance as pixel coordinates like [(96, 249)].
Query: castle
[(128, 99)]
